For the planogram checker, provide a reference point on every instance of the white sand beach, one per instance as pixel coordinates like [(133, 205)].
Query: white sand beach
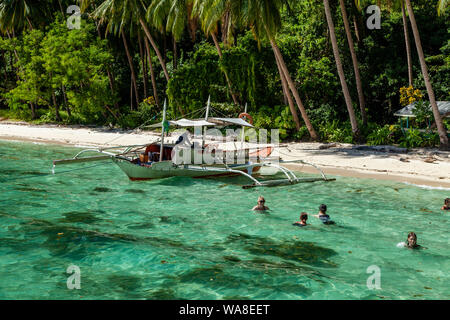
[(428, 167)]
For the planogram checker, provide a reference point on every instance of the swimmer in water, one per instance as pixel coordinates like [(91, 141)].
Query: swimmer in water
[(411, 241), (323, 215), (302, 222), (446, 205), (260, 206)]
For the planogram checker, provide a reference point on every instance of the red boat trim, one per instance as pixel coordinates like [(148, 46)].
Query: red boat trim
[(139, 179)]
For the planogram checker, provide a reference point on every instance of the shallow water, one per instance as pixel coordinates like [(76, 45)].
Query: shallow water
[(197, 239)]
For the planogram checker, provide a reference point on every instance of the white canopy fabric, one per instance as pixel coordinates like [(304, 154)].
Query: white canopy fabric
[(201, 123), (185, 123), (228, 121)]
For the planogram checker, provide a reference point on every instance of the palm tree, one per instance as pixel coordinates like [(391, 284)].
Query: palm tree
[(172, 16), (395, 4), (15, 15), (362, 104), (288, 95), (133, 72), (119, 13), (210, 12), (348, 100), (407, 44), (437, 117), (152, 72), (263, 17), (117, 17)]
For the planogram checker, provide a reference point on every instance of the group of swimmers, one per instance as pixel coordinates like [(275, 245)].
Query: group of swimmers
[(322, 215), (411, 241)]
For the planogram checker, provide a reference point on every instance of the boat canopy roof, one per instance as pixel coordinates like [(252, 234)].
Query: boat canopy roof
[(201, 123), (408, 111), (230, 121)]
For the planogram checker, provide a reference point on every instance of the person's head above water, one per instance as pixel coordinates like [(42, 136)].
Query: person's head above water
[(447, 202), (411, 241), (303, 217), (260, 205), (323, 208)]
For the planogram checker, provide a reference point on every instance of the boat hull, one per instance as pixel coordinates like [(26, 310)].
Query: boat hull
[(166, 169)]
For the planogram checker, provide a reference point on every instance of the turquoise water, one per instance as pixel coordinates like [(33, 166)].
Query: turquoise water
[(198, 239)]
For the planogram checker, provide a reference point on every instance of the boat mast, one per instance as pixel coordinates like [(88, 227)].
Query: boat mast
[(162, 133), (206, 119), (243, 129)]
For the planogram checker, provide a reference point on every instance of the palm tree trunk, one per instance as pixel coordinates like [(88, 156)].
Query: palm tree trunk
[(219, 51), (362, 103), (111, 86), (133, 74), (291, 85), (152, 72), (355, 24), (287, 94), (66, 105), (33, 111), (58, 116), (110, 75), (153, 43), (29, 23), (437, 117), (408, 46), (60, 7), (4, 66), (348, 100), (174, 53), (144, 69), (131, 93)]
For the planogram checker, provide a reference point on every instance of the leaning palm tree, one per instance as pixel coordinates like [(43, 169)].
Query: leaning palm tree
[(362, 103), (437, 117), (348, 99), (117, 18), (264, 18), (172, 16), (210, 13), (120, 13)]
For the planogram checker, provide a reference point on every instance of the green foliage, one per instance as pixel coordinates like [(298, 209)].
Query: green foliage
[(195, 80), (387, 134), (423, 113), (414, 139), (61, 60), (72, 66), (336, 132), (278, 117), (146, 114)]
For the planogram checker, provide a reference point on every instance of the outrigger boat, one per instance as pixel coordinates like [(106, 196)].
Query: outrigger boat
[(157, 160)]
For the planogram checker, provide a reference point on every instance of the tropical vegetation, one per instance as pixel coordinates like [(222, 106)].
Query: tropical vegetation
[(312, 69)]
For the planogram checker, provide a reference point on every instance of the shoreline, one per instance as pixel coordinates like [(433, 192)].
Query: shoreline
[(420, 167)]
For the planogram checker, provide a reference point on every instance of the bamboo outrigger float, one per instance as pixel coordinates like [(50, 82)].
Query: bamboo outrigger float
[(158, 160)]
